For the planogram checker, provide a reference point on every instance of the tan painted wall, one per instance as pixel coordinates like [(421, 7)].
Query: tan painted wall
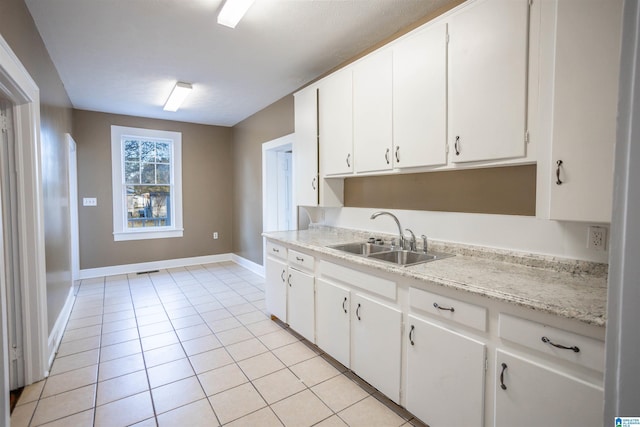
[(207, 185), (273, 122), (19, 30)]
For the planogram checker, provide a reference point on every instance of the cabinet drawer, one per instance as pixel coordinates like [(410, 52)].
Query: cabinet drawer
[(300, 260), (542, 337), (276, 250), (373, 284), (449, 308)]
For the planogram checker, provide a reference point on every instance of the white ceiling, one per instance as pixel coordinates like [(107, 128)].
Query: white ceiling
[(124, 56)]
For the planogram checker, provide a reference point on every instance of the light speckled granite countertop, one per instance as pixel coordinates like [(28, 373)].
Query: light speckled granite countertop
[(568, 288)]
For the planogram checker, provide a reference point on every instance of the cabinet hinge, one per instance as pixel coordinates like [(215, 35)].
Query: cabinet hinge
[(448, 38), (530, 2), (486, 364), (526, 137)]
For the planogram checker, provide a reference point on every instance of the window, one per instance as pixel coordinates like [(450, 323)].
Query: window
[(147, 184)]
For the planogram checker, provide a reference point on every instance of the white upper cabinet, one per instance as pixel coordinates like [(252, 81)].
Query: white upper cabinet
[(586, 71), (420, 98), (488, 51), (336, 124), (372, 112), (305, 148)]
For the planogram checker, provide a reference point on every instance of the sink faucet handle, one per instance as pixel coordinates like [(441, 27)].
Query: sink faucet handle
[(412, 242), (424, 243)]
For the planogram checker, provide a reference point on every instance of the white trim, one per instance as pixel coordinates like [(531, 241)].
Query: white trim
[(120, 230), (55, 337), (73, 208), (16, 83), (91, 273), (249, 265)]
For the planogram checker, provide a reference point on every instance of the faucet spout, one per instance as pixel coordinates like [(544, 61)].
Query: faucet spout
[(400, 233)]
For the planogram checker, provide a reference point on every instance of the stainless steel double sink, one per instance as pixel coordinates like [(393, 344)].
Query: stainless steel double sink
[(388, 254)]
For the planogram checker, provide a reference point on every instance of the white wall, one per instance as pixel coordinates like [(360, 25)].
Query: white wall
[(527, 234)]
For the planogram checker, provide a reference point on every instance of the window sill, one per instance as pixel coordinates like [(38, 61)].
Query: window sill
[(147, 234)]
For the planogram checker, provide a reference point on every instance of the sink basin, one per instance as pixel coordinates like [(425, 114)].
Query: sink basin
[(359, 248), (405, 258)]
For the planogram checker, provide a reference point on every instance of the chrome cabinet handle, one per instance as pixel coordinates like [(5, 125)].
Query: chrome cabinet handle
[(275, 250), (348, 160), (558, 165), (456, 146), (358, 312), (548, 341), (413, 328), (386, 156), (289, 280), (282, 276), (299, 259), (398, 154), (451, 309), (313, 183), (343, 304), (502, 385)]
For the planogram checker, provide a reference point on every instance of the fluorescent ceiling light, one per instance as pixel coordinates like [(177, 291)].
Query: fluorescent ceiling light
[(178, 95), (233, 11)]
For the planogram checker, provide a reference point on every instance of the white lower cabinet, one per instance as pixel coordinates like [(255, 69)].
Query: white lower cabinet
[(276, 287), (332, 320), (445, 375), (376, 332), (531, 394), (300, 303)]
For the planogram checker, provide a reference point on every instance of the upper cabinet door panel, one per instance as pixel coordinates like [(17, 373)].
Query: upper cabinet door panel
[(336, 124), (420, 98), (587, 58), (372, 112), (305, 148), (488, 51)]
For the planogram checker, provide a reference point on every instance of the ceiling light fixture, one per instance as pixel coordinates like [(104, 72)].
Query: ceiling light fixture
[(177, 97), (233, 11)]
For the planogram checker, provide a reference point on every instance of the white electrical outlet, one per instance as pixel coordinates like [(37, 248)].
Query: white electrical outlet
[(597, 238), (215, 234), (89, 201)]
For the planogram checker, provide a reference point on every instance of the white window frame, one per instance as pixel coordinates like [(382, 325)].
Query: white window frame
[(120, 230)]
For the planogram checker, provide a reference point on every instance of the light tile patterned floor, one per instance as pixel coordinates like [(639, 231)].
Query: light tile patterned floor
[(193, 347)]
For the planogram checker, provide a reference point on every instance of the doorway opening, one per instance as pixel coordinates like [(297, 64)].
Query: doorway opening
[(278, 213)]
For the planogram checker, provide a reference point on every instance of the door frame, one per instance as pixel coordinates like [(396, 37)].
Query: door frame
[(17, 85), (73, 209), (268, 153)]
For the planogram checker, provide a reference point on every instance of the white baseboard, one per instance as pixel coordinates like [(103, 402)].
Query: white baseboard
[(90, 273), (249, 265), (55, 337)]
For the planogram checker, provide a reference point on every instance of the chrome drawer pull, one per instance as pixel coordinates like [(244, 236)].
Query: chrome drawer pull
[(343, 303), (413, 328), (548, 341), (451, 309), (299, 259), (275, 250)]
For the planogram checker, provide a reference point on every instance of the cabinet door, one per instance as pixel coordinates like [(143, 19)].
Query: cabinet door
[(420, 98), (305, 147), (300, 303), (488, 51), (335, 101), (375, 344), (588, 37), (537, 395), (276, 288), (445, 375), (372, 112), (332, 320)]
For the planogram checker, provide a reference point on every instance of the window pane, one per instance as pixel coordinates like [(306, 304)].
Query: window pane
[(148, 151), (148, 174), (131, 150), (163, 152), (163, 174), (148, 206), (132, 172)]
